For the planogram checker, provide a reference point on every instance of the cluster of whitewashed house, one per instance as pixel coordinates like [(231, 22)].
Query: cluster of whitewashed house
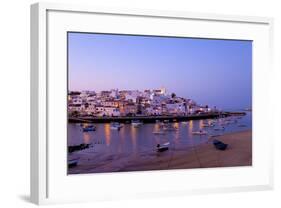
[(131, 102)]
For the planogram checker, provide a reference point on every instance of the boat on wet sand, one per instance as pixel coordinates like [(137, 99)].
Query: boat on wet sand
[(72, 161), (219, 145), (242, 125), (214, 135), (163, 147)]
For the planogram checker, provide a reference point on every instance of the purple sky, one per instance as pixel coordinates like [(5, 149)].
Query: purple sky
[(213, 72)]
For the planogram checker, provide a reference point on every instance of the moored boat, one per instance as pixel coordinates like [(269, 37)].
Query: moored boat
[(115, 126), (208, 125), (88, 128), (200, 132), (219, 128), (169, 127), (136, 123), (158, 132)]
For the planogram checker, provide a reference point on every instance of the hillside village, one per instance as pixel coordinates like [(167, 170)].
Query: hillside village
[(118, 103)]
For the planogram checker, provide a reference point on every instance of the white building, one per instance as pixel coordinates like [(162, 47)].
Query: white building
[(153, 111), (111, 111), (132, 97), (157, 99), (176, 108), (76, 100), (114, 93), (76, 107), (91, 109), (91, 99)]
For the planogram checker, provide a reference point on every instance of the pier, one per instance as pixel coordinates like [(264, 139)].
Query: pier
[(235, 113), (147, 119)]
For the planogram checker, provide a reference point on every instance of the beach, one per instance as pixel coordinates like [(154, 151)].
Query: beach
[(238, 153)]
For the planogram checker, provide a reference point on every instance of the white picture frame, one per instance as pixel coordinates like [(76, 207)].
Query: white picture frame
[(49, 181)]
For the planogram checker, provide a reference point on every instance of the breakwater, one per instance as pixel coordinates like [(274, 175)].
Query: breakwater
[(145, 119)]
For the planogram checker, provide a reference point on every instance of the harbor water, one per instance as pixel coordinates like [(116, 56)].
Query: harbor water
[(141, 141)]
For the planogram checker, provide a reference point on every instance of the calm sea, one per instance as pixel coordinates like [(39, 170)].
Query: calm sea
[(130, 140)]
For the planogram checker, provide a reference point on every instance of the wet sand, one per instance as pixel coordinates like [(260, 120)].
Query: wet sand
[(238, 153)]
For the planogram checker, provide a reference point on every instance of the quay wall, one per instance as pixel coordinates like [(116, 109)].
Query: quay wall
[(144, 119)]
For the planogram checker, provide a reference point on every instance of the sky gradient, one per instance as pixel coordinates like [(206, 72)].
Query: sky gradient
[(211, 72)]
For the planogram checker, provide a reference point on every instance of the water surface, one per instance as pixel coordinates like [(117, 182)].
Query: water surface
[(134, 142)]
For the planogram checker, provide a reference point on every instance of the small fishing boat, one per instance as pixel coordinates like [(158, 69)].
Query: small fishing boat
[(169, 128), (136, 123), (72, 161), (200, 132), (219, 128), (88, 128), (214, 135), (115, 126), (163, 147), (242, 125), (219, 145), (79, 147), (158, 132), (208, 125)]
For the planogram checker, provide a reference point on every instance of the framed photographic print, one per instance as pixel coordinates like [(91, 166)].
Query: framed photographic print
[(133, 103)]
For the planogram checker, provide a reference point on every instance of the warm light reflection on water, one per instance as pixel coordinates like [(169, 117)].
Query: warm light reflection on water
[(86, 138), (107, 133), (177, 132), (156, 127), (134, 136), (190, 127), (201, 123)]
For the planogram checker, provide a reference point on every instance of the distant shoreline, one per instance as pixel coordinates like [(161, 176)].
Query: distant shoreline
[(150, 119)]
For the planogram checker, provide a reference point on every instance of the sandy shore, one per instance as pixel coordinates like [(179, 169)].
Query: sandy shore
[(238, 153)]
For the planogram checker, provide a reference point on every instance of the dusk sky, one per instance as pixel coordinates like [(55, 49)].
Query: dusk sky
[(211, 72)]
